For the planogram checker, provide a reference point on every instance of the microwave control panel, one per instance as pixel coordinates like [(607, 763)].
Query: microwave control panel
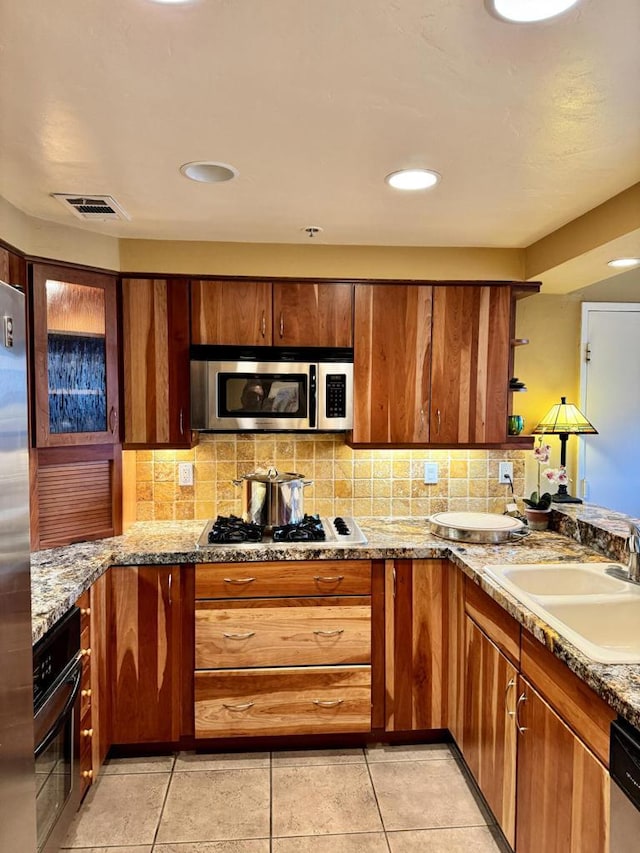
[(336, 390)]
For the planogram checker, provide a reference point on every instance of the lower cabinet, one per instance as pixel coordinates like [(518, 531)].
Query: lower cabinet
[(145, 654)]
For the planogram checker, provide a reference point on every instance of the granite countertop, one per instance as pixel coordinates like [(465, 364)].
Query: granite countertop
[(583, 533)]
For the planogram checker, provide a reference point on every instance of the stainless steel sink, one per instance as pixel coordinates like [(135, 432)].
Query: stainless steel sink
[(598, 613)]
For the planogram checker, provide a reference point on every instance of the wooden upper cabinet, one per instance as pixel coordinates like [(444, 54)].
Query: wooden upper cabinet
[(470, 364), (75, 357), (231, 312), (312, 315), (155, 332), (392, 359), (253, 313)]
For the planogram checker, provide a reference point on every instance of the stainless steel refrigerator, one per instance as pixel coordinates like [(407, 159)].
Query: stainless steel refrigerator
[(17, 773)]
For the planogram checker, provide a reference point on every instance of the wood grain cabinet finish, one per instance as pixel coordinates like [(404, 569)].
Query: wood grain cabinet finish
[(489, 732), (307, 700), (392, 362), (470, 364), (258, 313), (416, 649), (155, 345), (145, 654), (563, 790), (263, 580), (75, 346)]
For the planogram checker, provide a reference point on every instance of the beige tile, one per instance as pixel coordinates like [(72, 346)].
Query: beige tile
[(475, 839), (120, 810), (365, 842), (216, 805), (335, 798), (286, 758), (253, 845), (221, 760), (149, 764), (145, 848), (423, 794), (408, 752)]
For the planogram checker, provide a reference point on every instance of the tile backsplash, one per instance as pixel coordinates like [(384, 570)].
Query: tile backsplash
[(360, 483)]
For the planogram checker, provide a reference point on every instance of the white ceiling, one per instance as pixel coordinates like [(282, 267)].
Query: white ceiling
[(314, 103)]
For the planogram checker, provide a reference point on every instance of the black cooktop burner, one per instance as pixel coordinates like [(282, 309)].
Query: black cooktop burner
[(234, 529), (310, 529)]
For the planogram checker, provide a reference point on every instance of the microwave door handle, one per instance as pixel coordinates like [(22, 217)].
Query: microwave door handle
[(74, 679), (313, 397)]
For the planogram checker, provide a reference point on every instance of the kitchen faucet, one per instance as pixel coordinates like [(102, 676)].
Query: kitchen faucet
[(634, 552)]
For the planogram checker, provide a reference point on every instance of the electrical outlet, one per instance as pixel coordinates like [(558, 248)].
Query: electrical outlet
[(430, 473), (505, 473), (185, 473)]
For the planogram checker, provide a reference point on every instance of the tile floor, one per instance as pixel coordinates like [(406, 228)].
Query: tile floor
[(383, 799)]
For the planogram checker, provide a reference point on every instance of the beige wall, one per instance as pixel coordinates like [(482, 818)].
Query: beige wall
[(346, 482)]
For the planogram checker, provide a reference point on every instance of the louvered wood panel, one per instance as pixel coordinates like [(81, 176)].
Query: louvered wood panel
[(75, 502)]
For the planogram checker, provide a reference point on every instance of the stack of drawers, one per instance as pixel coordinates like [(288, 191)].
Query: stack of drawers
[(282, 648), (86, 728)]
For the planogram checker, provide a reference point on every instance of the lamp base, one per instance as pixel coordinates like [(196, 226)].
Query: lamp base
[(565, 499)]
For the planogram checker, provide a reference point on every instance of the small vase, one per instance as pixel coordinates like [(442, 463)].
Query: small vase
[(538, 519)]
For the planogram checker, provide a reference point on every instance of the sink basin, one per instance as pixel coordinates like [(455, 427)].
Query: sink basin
[(598, 613)]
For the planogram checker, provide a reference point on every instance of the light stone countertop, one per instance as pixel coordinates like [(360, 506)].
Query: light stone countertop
[(60, 575)]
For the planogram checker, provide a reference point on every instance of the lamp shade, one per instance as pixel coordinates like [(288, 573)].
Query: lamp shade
[(565, 418)]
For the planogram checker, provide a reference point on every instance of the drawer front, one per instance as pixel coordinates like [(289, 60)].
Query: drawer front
[(256, 580), (282, 702), (281, 636)]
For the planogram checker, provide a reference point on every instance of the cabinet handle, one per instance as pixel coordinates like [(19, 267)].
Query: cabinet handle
[(282, 324), (522, 698), (87, 774), (170, 585), (329, 633), (238, 580), (85, 653), (512, 683), (263, 324), (245, 636), (438, 421), (421, 427), (181, 422), (85, 611), (241, 707), (86, 693), (113, 419), (328, 703), (87, 732), (335, 579), (394, 581)]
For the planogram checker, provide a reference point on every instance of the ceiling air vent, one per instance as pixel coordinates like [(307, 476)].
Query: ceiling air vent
[(100, 207)]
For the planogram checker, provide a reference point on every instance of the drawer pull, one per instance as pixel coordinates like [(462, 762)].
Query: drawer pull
[(87, 732), (335, 579), (243, 707), (329, 633), (85, 653), (86, 693), (239, 636), (85, 611), (87, 774), (328, 703), (239, 580)]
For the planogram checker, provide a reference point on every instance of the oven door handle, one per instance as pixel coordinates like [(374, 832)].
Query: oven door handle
[(73, 678)]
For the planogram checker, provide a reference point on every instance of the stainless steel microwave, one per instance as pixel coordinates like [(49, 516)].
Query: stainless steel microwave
[(270, 389)]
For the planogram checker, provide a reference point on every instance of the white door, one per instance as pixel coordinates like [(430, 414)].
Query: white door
[(610, 461)]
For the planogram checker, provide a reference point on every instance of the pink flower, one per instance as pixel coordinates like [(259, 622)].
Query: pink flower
[(542, 453), (550, 474)]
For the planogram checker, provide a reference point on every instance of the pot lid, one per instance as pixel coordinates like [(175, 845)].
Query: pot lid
[(476, 521), (271, 475)]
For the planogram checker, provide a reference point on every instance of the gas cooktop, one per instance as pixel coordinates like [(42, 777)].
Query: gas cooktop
[(231, 530)]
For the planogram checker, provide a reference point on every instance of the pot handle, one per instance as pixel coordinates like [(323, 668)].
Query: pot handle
[(520, 534), (307, 483)]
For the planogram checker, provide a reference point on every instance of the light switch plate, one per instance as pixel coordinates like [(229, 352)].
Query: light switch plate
[(185, 473), (430, 473)]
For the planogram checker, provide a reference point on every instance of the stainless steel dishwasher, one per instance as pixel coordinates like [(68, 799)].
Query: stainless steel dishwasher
[(624, 767)]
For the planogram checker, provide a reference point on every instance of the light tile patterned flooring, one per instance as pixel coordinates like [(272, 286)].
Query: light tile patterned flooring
[(383, 799)]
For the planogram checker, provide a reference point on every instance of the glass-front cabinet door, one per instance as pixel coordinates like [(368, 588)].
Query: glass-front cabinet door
[(75, 357)]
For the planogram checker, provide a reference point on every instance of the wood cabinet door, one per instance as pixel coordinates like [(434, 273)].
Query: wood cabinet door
[(416, 662), (312, 314), (470, 364), (155, 332), (563, 790), (392, 358), (489, 732), (75, 343), (456, 651), (231, 312), (145, 654)]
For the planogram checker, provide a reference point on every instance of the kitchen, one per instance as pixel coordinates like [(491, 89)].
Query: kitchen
[(358, 479)]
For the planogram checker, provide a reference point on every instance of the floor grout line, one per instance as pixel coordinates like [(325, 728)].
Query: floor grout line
[(164, 802)]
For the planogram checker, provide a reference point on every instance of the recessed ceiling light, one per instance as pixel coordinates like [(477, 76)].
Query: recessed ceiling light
[(621, 263), (528, 11), (208, 172), (413, 179)]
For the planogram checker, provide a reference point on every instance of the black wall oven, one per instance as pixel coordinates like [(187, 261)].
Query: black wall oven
[(57, 670)]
